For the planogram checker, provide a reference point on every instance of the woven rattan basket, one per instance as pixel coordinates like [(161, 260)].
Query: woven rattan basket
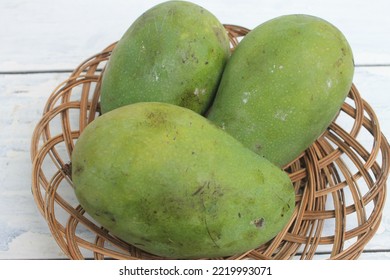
[(340, 181)]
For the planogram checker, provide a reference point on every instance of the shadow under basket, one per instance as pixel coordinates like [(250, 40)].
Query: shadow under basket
[(340, 181)]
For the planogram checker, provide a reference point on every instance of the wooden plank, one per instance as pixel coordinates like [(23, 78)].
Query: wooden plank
[(23, 231), (375, 255), (46, 34)]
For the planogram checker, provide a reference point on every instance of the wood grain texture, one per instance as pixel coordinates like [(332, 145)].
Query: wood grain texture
[(47, 34)]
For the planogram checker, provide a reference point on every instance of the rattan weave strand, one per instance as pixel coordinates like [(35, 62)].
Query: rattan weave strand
[(340, 181)]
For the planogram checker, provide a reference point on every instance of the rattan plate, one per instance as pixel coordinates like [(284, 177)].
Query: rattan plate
[(340, 181)]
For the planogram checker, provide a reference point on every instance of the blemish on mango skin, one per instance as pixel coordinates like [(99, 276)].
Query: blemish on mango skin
[(193, 98), (258, 174), (198, 190), (79, 169), (71, 170), (258, 223), (257, 146), (106, 214), (284, 210), (156, 118)]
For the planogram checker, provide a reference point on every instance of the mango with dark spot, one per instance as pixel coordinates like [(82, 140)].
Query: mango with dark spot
[(175, 53), (168, 181), (283, 85)]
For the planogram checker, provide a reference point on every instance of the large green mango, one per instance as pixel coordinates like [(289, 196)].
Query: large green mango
[(170, 182), (283, 86), (175, 53)]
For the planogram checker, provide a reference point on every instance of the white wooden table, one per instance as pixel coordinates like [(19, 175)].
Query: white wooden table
[(42, 41)]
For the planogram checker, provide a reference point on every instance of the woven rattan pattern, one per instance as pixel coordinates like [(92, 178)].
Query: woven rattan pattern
[(340, 183)]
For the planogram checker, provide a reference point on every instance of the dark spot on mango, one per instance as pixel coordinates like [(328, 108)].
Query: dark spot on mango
[(251, 234), (218, 192), (259, 223), (198, 190), (190, 99), (105, 214), (156, 118), (285, 209), (146, 239), (259, 176), (194, 58), (219, 34), (78, 169), (258, 147), (339, 62)]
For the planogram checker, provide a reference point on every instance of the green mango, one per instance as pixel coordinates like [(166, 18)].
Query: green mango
[(175, 53), (166, 180), (283, 85)]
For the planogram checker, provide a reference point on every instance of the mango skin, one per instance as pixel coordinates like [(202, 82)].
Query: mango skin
[(284, 84), (168, 181), (175, 53)]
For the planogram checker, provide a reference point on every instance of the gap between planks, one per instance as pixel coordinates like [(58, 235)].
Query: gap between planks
[(49, 71)]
